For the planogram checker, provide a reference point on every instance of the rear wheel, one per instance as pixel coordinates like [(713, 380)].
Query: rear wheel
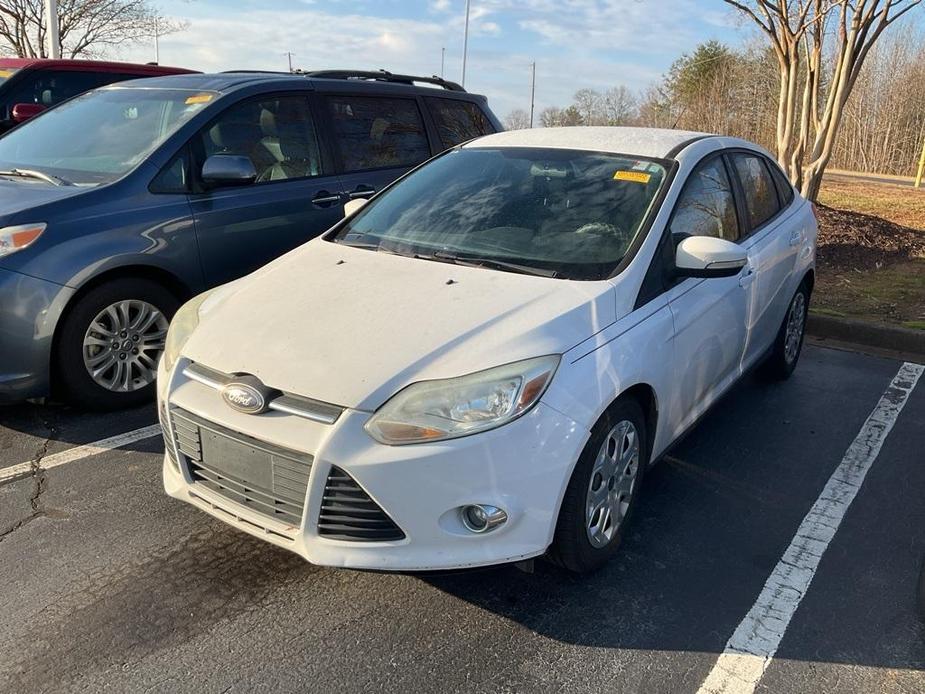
[(111, 341), (603, 490), (788, 344)]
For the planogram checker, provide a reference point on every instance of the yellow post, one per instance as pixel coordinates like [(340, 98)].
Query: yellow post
[(918, 176)]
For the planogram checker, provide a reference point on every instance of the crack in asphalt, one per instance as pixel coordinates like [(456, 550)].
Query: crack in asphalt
[(39, 482)]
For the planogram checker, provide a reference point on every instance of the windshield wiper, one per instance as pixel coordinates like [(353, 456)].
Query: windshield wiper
[(477, 261), (41, 175)]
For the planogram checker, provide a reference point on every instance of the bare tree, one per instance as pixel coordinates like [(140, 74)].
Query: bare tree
[(807, 125), (619, 106), (518, 119), (589, 105), (86, 27)]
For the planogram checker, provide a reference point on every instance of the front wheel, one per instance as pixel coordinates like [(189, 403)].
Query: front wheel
[(602, 491), (788, 344), (110, 343)]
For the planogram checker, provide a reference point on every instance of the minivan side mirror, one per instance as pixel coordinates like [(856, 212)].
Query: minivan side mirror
[(354, 205), (23, 112), (708, 256), (228, 170)]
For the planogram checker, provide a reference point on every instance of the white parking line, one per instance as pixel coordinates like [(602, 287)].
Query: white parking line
[(8, 474), (753, 644)]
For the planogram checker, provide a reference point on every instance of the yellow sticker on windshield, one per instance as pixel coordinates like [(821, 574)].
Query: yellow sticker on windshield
[(634, 176), (6, 73), (199, 99)]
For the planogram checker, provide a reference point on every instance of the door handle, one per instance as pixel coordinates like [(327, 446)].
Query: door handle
[(361, 192), (796, 237), (325, 198)]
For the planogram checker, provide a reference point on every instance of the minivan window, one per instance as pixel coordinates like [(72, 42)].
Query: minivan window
[(563, 213), (706, 206), (276, 134), (378, 132), (118, 128), (49, 87), (458, 121), (760, 194)]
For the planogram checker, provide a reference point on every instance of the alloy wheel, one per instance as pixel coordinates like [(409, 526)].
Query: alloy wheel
[(613, 481), (123, 344), (796, 321)]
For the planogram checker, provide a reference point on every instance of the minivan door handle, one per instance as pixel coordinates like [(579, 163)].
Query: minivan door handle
[(361, 192), (325, 197)]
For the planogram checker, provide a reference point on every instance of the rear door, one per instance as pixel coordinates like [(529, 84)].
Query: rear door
[(375, 138), (774, 237), (296, 195)]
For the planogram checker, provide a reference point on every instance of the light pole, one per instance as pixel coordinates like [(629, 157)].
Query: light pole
[(157, 48), (442, 61), (51, 22), (532, 93), (918, 175), (465, 44)]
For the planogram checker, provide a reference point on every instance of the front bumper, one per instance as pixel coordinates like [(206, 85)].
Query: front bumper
[(29, 312), (522, 467)]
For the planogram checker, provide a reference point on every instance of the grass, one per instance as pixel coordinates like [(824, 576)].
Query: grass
[(898, 204), (893, 292)]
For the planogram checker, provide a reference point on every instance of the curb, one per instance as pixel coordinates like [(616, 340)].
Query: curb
[(887, 338)]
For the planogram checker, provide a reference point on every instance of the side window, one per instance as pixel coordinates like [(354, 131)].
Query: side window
[(706, 206), (49, 87), (458, 121), (173, 178), (378, 132), (276, 134), (761, 201), (784, 188)]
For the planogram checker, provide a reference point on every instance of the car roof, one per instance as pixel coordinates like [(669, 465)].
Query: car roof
[(659, 143), (93, 65), (229, 81)]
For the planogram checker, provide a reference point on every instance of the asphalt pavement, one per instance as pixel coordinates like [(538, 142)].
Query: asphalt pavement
[(110, 586)]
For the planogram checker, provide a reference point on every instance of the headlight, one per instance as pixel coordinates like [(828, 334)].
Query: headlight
[(454, 407), (16, 238), (181, 327)]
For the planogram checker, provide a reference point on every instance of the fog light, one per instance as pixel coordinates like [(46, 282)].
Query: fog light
[(481, 518)]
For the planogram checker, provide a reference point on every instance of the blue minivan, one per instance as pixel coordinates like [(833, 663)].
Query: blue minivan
[(121, 203)]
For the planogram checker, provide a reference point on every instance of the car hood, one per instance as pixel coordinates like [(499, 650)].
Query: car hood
[(18, 196), (352, 327)]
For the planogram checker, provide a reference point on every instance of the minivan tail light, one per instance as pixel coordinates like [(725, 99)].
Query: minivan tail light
[(17, 237)]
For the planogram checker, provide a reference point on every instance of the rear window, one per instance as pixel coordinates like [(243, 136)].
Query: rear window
[(458, 121), (378, 132), (6, 73)]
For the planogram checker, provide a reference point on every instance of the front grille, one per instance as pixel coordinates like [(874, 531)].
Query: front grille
[(347, 513), (269, 479)]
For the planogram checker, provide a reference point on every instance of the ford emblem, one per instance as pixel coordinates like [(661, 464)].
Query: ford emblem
[(244, 398)]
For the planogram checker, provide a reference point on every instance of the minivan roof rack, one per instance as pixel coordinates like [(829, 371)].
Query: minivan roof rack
[(384, 76)]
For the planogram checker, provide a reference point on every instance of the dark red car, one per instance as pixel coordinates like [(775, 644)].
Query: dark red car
[(30, 85)]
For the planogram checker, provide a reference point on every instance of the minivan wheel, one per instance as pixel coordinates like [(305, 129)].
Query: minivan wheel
[(602, 491), (111, 341), (788, 344)]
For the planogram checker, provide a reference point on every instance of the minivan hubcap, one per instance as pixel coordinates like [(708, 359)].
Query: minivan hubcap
[(796, 319), (612, 482), (122, 345)]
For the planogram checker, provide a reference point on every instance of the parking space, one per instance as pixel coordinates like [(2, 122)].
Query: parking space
[(108, 585)]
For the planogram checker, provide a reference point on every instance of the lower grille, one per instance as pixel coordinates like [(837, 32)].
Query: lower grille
[(268, 479), (348, 513)]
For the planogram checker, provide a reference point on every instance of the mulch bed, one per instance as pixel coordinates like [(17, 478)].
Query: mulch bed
[(855, 241)]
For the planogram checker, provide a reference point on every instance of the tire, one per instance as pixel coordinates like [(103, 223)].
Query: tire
[(579, 544), (785, 353), (119, 303)]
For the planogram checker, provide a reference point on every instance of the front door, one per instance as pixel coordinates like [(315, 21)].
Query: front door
[(294, 198), (710, 315)]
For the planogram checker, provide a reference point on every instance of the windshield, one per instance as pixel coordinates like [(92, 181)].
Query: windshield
[(97, 137), (559, 213)]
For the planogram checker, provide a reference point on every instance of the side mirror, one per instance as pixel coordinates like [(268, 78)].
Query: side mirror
[(228, 170), (23, 112), (706, 256), (353, 206)]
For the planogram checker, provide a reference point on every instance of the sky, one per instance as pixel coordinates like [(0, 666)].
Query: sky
[(575, 43)]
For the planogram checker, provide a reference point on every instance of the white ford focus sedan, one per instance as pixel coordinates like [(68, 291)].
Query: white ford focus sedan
[(478, 365)]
